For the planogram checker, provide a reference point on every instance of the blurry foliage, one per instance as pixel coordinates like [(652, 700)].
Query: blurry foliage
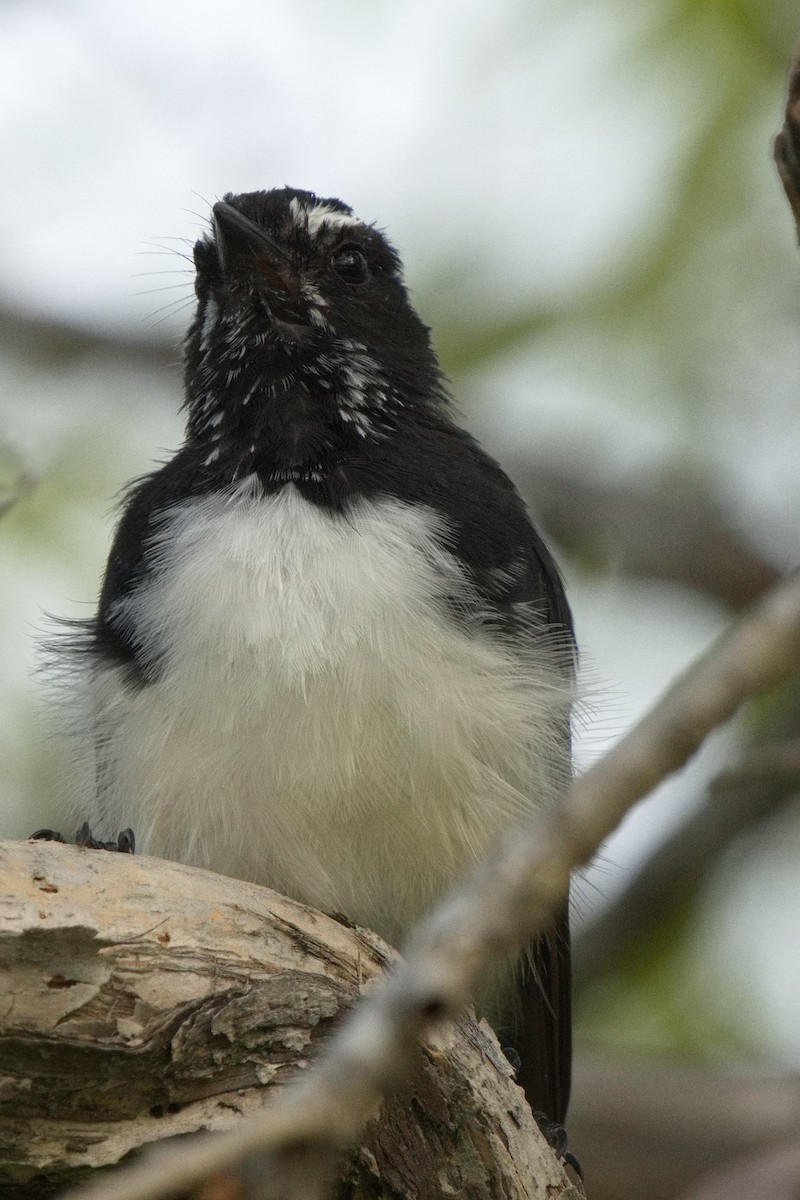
[(67, 500), (735, 54), (657, 1003)]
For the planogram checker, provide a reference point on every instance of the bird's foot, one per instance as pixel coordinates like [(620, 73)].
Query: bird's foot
[(125, 843), (47, 835), (514, 1060), (556, 1136)]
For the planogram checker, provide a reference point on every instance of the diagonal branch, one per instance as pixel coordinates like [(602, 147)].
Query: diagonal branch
[(292, 1147)]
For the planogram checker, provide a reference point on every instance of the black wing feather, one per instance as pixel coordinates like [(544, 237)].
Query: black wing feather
[(513, 571), (542, 1036)]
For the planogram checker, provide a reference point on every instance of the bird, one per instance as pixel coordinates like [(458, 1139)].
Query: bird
[(332, 655)]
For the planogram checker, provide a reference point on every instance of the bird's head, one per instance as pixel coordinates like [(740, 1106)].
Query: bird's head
[(294, 291)]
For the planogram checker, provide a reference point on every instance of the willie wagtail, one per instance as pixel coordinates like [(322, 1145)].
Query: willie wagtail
[(332, 655)]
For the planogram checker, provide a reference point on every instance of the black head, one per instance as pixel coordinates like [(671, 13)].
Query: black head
[(303, 333)]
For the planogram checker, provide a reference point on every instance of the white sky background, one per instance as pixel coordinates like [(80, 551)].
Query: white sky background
[(434, 118), (504, 146)]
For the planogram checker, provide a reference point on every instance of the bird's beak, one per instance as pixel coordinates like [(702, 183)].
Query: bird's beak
[(240, 240)]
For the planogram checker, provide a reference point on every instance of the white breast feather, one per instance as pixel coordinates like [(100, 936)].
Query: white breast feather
[(321, 723)]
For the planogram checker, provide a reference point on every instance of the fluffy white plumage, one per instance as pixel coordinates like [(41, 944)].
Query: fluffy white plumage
[(320, 723)]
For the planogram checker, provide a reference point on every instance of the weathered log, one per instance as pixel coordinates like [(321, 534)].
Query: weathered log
[(142, 999)]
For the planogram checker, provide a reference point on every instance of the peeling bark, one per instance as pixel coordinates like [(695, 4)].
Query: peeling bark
[(142, 999)]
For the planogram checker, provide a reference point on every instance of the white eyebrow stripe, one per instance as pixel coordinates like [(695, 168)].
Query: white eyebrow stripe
[(320, 214)]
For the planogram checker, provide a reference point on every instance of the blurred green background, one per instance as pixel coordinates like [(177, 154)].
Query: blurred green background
[(585, 202)]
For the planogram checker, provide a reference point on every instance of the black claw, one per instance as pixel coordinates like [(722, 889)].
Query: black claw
[(514, 1060), (556, 1136), (123, 844), (572, 1161), (83, 837), (126, 842), (47, 835)]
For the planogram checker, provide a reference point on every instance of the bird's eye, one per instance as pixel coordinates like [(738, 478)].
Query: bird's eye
[(350, 264)]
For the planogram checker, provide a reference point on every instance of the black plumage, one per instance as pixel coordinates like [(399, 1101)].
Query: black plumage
[(307, 370)]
